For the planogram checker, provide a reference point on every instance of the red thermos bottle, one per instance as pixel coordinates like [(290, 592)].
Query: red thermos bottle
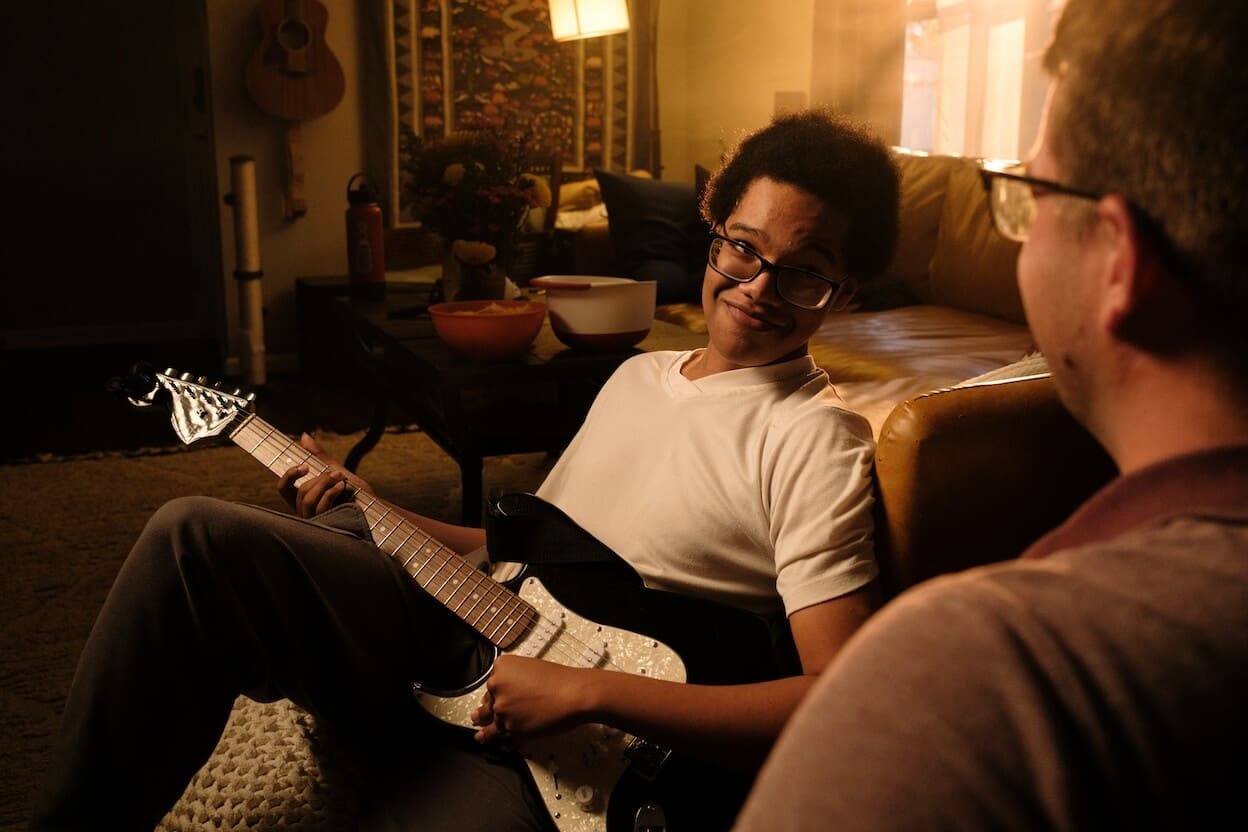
[(366, 257)]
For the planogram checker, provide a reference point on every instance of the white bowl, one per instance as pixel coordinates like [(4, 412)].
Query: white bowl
[(598, 313)]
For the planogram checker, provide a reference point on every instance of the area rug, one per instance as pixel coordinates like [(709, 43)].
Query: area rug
[(65, 527)]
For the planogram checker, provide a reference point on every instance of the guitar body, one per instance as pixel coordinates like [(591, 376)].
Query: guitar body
[(575, 602), (293, 74), (586, 775)]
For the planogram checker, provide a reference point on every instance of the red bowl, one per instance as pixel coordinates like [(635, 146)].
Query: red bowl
[(488, 330)]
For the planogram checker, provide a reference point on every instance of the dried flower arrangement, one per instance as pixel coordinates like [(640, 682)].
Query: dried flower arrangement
[(474, 186)]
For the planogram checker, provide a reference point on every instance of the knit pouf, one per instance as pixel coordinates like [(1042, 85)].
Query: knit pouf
[(271, 770)]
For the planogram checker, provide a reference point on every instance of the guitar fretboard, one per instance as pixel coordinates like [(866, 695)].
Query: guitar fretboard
[(491, 609)]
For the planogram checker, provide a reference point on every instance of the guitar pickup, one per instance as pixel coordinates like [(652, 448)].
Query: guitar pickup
[(545, 632), (538, 638)]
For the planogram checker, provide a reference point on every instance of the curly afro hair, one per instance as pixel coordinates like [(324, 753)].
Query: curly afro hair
[(835, 159)]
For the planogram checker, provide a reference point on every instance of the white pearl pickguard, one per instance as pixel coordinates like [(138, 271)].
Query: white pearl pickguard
[(575, 771)]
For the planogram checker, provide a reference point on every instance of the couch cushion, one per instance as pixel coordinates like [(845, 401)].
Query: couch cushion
[(923, 340), (922, 198), (656, 233), (878, 359), (973, 267)]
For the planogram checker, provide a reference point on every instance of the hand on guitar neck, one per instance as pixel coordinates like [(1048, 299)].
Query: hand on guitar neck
[(312, 494)]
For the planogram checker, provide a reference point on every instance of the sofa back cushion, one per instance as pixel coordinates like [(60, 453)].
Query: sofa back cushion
[(656, 233), (922, 199), (973, 267)]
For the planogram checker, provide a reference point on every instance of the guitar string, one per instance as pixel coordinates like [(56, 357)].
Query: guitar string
[(274, 439)]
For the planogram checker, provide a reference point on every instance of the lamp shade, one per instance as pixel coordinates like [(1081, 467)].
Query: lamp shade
[(576, 19)]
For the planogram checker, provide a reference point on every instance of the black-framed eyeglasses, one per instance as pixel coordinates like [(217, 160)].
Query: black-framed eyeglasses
[(803, 288), (1012, 198)]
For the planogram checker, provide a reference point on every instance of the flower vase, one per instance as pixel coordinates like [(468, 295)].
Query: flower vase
[(463, 280)]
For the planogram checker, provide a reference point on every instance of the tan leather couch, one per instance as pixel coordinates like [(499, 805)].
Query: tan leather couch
[(974, 474)]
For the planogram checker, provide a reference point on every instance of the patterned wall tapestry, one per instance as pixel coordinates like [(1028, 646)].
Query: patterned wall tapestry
[(457, 63)]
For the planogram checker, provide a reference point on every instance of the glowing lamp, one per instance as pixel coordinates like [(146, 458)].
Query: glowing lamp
[(577, 19)]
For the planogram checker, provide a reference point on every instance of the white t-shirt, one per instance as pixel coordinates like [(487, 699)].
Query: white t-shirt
[(750, 487)]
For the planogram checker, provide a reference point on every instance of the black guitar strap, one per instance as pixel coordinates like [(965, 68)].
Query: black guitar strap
[(524, 528)]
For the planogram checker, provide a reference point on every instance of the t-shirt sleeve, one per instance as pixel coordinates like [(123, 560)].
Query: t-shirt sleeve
[(820, 489)]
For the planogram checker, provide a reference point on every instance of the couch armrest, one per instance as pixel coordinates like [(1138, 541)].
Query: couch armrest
[(971, 475)]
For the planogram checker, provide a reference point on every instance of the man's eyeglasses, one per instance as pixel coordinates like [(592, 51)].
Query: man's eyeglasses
[(801, 287), (1012, 199)]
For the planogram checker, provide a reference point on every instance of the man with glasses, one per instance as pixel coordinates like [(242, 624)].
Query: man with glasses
[(1100, 681), (732, 474)]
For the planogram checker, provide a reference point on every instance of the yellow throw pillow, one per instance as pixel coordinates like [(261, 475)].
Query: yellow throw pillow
[(579, 196)]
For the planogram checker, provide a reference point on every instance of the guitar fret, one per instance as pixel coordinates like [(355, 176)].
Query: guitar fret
[(414, 553), (428, 552), (381, 544), (512, 617), (411, 533), (482, 595), (487, 606), (467, 589), (425, 582), (252, 449), (438, 592), (283, 460), (244, 425), (503, 609), (520, 625)]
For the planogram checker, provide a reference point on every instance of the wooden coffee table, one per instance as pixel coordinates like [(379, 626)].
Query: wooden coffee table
[(475, 409)]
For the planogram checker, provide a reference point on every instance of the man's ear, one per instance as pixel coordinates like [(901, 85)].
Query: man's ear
[(1137, 302), (1128, 272)]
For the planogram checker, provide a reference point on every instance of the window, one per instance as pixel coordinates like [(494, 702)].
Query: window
[(973, 81)]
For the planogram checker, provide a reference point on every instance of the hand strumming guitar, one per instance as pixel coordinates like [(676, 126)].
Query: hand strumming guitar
[(529, 697)]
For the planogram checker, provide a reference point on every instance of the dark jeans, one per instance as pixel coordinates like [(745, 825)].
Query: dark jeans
[(217, 599)]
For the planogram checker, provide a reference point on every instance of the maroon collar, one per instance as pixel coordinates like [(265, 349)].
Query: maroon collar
[(1212, 483)]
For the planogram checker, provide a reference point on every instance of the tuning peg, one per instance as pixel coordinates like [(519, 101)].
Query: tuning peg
[(251, 397), (185, 377), (238, 392), (169, 371)]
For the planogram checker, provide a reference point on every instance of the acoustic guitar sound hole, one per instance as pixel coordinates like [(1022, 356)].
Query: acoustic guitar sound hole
[(293, 35)]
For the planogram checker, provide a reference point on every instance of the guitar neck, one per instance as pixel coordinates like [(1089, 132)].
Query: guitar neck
[(495, 612)]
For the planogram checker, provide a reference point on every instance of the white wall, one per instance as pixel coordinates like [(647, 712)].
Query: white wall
[(314, 244), (721, 65)]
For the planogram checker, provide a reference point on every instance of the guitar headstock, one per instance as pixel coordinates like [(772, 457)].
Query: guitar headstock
[(197, 410)]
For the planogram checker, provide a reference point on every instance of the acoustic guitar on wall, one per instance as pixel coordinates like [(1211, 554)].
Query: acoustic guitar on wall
[(294, 76)]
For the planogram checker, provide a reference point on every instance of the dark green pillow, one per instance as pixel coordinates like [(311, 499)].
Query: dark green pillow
[(656, 233)]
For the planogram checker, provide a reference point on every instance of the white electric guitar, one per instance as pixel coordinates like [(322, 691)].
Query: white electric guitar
[(592, 777)]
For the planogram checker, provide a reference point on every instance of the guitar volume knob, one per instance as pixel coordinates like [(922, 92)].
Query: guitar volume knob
[(587, 799)]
